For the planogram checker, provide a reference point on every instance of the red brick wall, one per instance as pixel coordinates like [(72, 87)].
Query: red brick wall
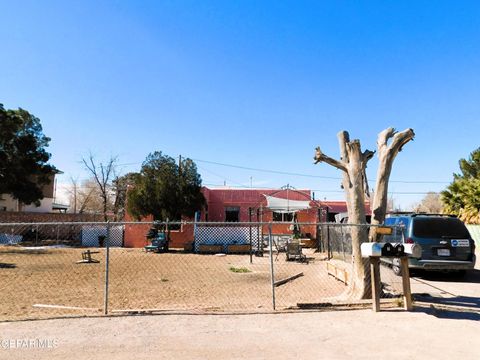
[(218, 199), (134, 236)]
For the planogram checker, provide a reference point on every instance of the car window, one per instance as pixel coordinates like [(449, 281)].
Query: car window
[(397, 231), (390, 221), (439, 227)]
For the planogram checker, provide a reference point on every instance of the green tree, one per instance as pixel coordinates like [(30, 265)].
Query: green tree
[(462, 196), (165, 189), (23, 158)]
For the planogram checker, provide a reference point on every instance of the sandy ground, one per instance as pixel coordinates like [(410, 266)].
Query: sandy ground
[(446, 330), (139, 280), (358, 334)]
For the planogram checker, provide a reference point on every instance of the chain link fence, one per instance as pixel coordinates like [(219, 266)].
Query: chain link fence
[(65, 269)]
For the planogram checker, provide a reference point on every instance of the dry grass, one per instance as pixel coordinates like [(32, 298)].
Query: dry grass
[(139, 280)]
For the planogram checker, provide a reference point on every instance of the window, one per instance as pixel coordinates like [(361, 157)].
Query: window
[(232, 214), (282, 217), (424, 227)]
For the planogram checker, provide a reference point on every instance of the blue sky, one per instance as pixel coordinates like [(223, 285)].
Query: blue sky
[(252, 83)]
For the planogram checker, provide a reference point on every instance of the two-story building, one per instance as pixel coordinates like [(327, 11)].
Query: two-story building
[(47, 204)]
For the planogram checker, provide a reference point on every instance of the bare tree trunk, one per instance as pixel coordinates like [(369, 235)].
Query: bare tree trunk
[(353, 164), (386, 156)]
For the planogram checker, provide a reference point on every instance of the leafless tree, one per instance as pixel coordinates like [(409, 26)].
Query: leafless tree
[(103, 174), (353, 164), (73, 191), (431, 203)]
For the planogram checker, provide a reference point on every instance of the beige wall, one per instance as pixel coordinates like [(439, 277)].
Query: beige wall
[(8, 203), (45, 206)]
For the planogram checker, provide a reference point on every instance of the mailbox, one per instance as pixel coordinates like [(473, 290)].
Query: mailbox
[(371, 249), (413, 250), (390, 249), (399, 249)]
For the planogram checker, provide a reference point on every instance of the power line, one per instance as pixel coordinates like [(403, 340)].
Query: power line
[(267, 171), (311, 176), (279, 172), (221, 176), (319, 190)]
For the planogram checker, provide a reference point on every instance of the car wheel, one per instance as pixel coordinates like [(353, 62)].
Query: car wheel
[(396, 268)]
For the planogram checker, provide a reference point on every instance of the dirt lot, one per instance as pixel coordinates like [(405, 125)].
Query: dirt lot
[(200, 283), (360, 334), (139, 280)]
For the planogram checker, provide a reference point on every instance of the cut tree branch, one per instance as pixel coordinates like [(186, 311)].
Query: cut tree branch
[(400, 139), (321, 157), (384, 136)]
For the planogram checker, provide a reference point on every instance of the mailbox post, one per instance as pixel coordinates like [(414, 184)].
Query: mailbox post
[(374, 251)]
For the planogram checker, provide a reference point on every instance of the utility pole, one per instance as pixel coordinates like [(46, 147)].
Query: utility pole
[(180, 165), (74, 191), (75, 197)]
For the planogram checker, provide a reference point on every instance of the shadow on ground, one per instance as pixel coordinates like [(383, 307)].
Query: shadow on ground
[(7, 266), (463, 301), (453, 314), (472, 276), (25, 251)]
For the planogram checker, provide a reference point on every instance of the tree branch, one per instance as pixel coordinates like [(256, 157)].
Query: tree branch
[(321, 157), (343, 139), (384, 136), (400, 139), (367, 155)]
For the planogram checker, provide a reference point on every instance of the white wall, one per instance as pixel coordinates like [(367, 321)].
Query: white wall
[(474, 231), (90, 235), (45, 206)]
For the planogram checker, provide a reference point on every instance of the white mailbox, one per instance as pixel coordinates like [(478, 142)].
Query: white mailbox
[(390, 249), (371, 249), (413, 250)]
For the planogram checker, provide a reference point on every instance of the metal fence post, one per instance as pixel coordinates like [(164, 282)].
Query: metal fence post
[(328, 243), (318, 237), (343, 239), (107, 263), (272, 275), (250, 232), (167, 228)]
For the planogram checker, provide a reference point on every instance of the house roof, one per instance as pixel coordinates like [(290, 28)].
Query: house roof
[(60, 207), (257, 198)]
